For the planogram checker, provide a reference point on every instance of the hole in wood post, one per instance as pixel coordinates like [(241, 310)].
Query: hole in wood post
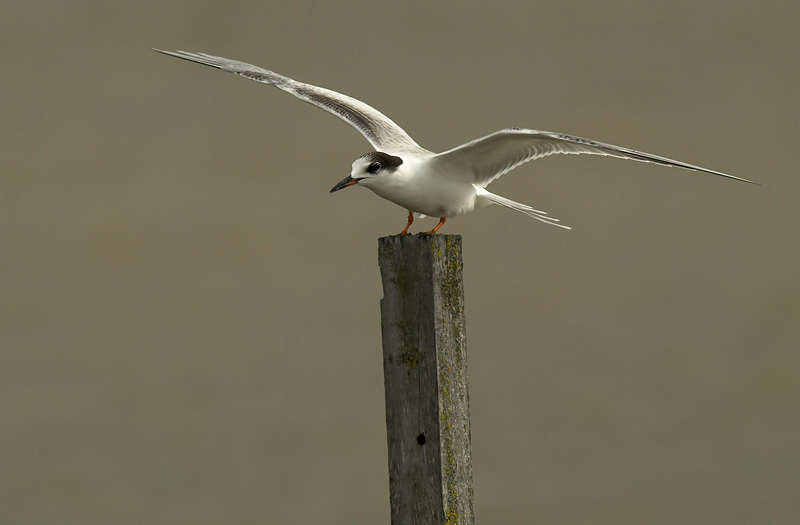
[(421, 439)]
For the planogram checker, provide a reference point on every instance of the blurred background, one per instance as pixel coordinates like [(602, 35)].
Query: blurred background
[(190, 324)]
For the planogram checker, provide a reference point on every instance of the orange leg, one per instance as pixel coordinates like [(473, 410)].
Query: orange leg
[(410, 220), (441, 221)]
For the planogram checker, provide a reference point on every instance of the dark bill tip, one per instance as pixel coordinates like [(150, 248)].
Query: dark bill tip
[(347, 181)]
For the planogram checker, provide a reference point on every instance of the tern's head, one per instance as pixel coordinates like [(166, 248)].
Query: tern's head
[(370, 167)]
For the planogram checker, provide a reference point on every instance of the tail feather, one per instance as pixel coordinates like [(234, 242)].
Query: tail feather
[(522, 208)]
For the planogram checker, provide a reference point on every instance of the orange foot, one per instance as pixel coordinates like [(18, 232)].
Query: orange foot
[(441, 221), (405, 230)]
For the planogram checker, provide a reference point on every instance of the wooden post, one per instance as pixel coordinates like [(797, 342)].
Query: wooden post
[(425, 374)]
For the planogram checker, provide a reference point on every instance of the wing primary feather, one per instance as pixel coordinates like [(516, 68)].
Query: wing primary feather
[(485, 159), (381, 132)]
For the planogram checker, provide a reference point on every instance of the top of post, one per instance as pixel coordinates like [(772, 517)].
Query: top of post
[(396, 248)]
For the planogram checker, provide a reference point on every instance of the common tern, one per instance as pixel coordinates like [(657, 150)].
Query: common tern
[(443, 185)]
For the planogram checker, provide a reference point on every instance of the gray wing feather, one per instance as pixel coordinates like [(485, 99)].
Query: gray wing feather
[(377, 128), (487, 158)]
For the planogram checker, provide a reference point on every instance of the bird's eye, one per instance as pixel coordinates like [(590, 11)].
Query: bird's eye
[(374, 167)]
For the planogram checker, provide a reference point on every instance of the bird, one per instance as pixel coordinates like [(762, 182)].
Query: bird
[(440, 185)]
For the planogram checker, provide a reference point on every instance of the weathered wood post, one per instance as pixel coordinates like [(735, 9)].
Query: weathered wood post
[(425, 374)]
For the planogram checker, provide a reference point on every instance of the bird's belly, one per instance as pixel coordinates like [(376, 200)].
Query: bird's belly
[(442, 199)]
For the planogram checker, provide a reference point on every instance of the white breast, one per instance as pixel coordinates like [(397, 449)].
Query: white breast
[(418, 189)]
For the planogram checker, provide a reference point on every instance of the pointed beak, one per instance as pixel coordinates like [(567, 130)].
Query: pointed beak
[(347, 181)]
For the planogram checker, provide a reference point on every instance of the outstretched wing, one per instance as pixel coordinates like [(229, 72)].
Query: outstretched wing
[(379, 130), (483, 160)]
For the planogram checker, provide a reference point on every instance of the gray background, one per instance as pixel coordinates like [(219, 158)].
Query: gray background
[(190, 325)]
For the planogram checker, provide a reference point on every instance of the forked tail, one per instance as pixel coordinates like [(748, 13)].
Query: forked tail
[(522, 208)]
